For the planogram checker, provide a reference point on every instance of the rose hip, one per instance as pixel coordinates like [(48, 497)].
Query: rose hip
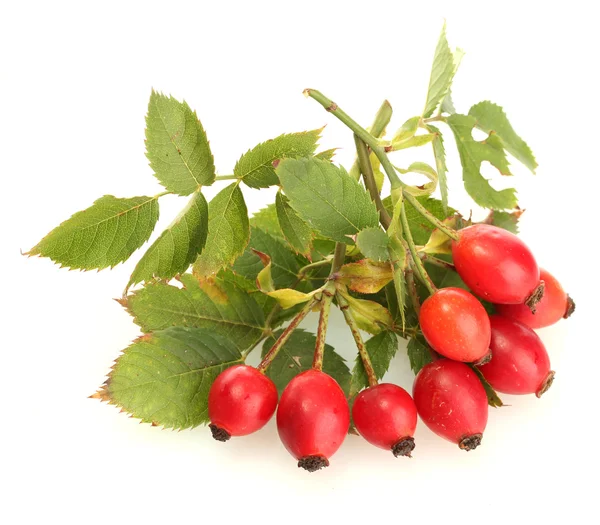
[(452, 402)]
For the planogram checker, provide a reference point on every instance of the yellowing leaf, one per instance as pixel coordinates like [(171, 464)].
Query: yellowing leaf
[(369, 315), (365, 276)]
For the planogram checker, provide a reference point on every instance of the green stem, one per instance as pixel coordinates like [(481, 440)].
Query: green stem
[(412, 290), (377, 129), (226, 177), (413, 251), (326, 299), (429, 216), (339, 255), (437, 118), (312, 266), (366, 169), (437, 262), (362, 349), (162, 194), (362, 133), (285, 335)]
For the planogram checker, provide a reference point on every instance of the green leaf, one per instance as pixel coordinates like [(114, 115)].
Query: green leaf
[(472, 154), (412, 142), (178, 246), (327, 154), (382, 349), (297, 355), (374, 243), (328, 199), (420, 227), (507, 220), (447, 105), (365, 276), (492, 119), (164, 378), (220, 307), (256, 168), (266, 219), (294, 229), (398, 258), (418, 354), (228, 231), (442, 73), (493, 398), (423, 169), (370, 316), (176, 146), (101, 236), (285, 264), (440, 163), (407, 130)]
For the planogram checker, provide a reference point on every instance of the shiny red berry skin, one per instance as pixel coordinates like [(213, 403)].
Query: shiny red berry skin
[(554, 305), (452, 402), (495, 264), (386, 416), (241, 401), (520, 363), (313, 418), (456, 325)]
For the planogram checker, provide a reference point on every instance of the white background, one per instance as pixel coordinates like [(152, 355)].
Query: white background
[(75, 80)]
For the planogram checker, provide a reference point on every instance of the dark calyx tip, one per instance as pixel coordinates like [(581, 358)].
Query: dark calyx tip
[(220, 434), (484, 360), (536, 296), (313, 463), (546, 384), (404, 447), (470, 442), (570, 307)]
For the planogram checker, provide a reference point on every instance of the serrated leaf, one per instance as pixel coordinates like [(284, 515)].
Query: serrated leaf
[(178, 246), (398, 258), (164, 378), (365, 276), (419, 354), (472, 154), (440, 163), (297, 355), (420, 227), (493, 398), (285, 264), (447, 105), (256, 168), (101, 236), (381, 349), (506, 220), (220, 307), (327, 154), (176, 146), (491, 118), (442, 72), (297, 233), (266, 219), (373, 243), (228, 232), (370, 316), (329, 200)]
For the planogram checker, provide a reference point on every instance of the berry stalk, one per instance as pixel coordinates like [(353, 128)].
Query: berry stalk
[(326, 299), (429, 216), (362, 349), (285, 335), (418, 263)]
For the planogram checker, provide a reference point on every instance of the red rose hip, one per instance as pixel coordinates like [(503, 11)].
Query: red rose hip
[(313, 418), (496, 265), (456, 325), (452, 402), (520, 363), (552, 307), (386, 416), (240, 401)]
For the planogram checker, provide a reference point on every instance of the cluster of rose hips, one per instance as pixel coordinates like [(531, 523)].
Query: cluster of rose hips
[(313, 416)]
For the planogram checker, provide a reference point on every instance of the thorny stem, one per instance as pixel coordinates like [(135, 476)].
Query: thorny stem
[(412, 290), (362, 133), (382, 119), (366, 169), (437, 262), (362, 349), (326, 299), (429, 216), (285, 335), (339, 255), (413, 251)]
